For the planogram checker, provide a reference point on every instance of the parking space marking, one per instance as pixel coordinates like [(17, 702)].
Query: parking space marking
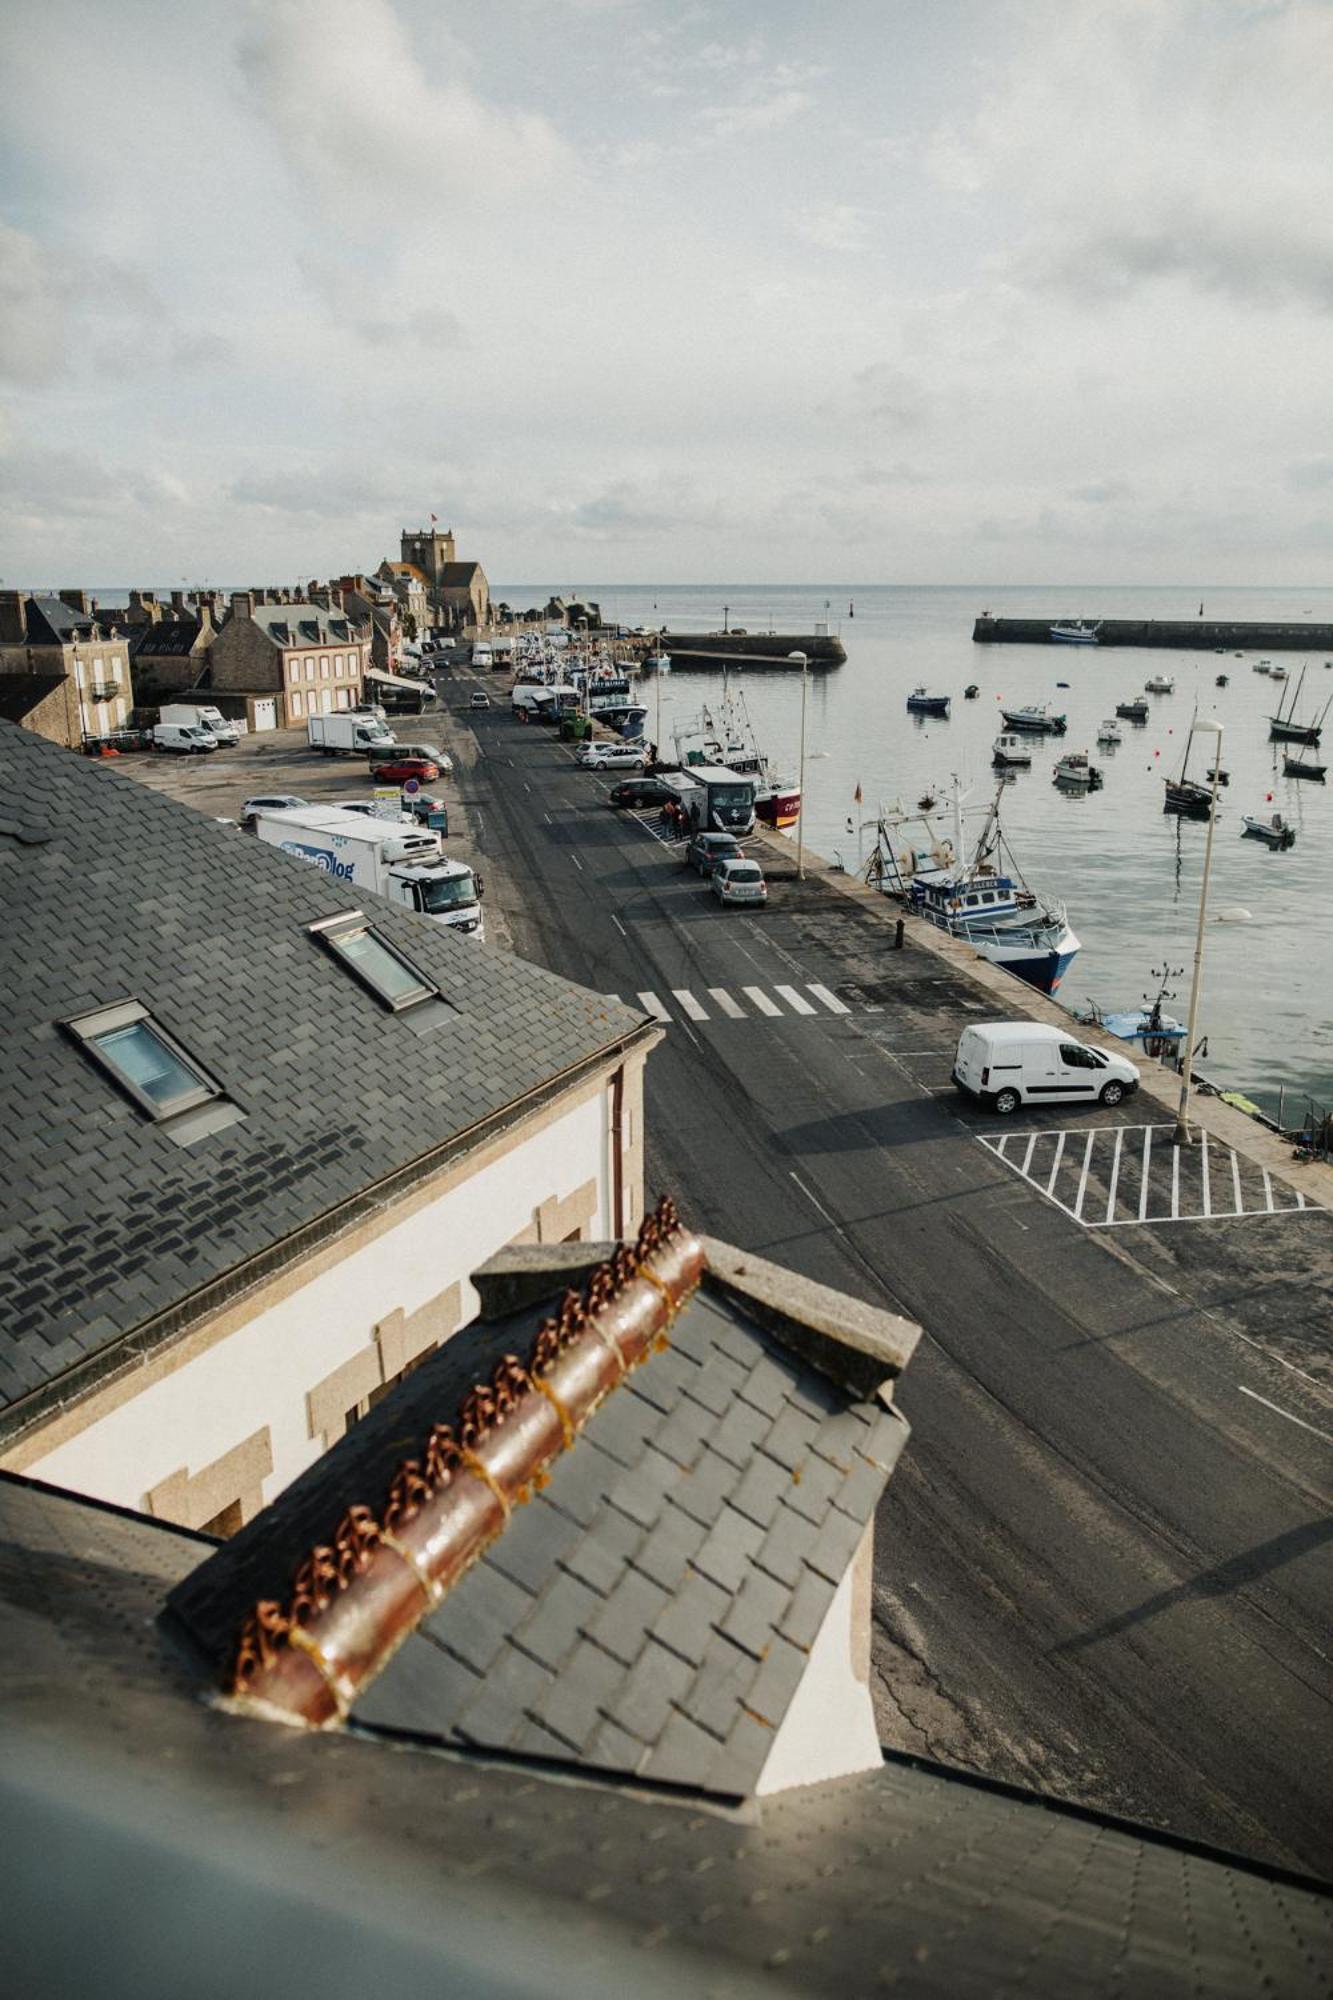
[(1176, 1183)]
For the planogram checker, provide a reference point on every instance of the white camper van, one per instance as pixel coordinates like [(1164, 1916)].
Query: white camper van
[(1008, 1063)]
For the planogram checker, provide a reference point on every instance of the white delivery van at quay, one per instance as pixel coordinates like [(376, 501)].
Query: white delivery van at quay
[(482, 656), (347, 734), (187, 738), (382, 856), (202, 715), (1008, 1063)]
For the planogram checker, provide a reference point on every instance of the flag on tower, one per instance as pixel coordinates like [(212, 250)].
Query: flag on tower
[(433, 519), (857, 793)]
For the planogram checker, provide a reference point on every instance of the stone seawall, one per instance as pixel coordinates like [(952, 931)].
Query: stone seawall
[(754, 649), (1194, 634)]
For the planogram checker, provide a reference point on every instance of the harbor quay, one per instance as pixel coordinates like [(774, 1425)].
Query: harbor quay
[(1104, 1571), (1187, 634)]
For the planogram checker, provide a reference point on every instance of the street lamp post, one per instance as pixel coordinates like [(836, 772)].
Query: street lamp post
[(801, 660), (1181, 1135)]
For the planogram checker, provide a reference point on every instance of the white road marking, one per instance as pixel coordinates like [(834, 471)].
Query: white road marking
[(1203, 1171), (1041, 1170), (1083, 1175), (758, 998), (689, 1003), (726, 1003), (796, 1001), (577, 863), (1254, 1396), (619, 926), (814, 1200), (829, 1000), (1115, 1173), (652, 1005)]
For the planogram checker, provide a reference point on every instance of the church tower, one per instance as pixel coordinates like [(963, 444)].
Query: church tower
[(429, 549)]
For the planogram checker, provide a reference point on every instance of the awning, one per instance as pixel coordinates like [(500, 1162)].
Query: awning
[(392, 680)]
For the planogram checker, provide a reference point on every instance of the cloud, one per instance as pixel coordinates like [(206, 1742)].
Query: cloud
[(833, 225), (32, 310), (1310, 475), (366, 130), (757, 113), (1102, 492)]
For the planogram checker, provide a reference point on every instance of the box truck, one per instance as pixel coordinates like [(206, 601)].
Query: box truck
[(347, 735), (405, 867)]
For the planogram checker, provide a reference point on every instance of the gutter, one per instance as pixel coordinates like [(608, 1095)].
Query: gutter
[(133, 1348)]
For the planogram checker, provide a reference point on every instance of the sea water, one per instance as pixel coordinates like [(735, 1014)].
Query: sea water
[(1128, 874)]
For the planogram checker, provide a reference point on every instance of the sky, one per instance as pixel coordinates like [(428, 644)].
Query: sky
[(899, 291)]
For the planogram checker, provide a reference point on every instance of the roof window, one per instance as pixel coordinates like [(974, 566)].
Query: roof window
[(378, 965), (152, 1069)]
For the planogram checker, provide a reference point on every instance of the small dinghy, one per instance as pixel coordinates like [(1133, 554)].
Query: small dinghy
[(1274, 830), (1223, 680), (971, 691), (1222, 777)]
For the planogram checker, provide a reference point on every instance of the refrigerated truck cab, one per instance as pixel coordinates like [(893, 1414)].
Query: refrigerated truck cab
[(406, 867), (713, 799), (348, 734), (1008, 1063)]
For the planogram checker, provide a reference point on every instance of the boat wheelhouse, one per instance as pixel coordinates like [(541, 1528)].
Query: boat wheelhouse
[(1011, 751)]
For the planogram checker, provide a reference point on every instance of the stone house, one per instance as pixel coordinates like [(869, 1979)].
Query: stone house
[(369, 599), (173, 653), (464, 597), (408, 584), (256, 1130), (311, 656), (65, 638)]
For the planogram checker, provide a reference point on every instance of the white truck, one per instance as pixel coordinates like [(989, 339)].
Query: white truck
[(347, 735), (406, 868), (201, 715)]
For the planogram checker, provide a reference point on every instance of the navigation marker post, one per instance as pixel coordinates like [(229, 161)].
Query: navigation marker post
[(1181, 1135), (804, 663)]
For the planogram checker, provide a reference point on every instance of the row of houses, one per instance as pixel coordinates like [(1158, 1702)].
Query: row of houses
[(74, 671)]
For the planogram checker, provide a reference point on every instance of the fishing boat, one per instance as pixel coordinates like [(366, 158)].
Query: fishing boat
[(1274, 830), (1303, 767), (1034, 721), (1262, 667), (1156, 1032), (656, 663), (1133, 711), (985, 901), (1277, 673), (1074, 632), (727, 736), (921, 703), (1159, 684), (1110, 733), (1010, 751), (1075, 771), (1284, 728), (1183, 795)]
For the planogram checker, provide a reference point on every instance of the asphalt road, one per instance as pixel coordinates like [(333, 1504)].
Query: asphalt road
[(1103, 1566)]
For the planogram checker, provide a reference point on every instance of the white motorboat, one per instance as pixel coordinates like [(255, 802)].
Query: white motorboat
[(1075, 771), (1273, 830), (1110, 733), (1011, 750), (1159, 684), (1277, 673)]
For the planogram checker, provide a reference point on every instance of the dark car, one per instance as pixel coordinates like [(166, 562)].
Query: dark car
[(638, 792), (401, 769), (707, 849)]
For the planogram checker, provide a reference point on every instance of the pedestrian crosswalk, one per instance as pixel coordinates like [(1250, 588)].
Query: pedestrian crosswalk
[(752, 1002)]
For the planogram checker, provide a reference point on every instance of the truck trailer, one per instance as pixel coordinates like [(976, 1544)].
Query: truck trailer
[(406, 867), (348, 734)]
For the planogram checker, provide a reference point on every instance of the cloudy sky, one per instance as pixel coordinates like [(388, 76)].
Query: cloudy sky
[(881, 290)]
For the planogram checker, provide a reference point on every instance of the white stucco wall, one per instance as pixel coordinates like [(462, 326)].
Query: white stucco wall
[(261, 1374), (829, 1730)]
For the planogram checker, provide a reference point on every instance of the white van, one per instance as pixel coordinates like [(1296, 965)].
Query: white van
[(1008, 1063), (201, 715), (186, 738)]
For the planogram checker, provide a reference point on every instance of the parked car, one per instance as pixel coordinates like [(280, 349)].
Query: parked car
[(1008, 1063), (479, 698), (271, 802), (738, 882), (705, 850), (398, 770), (611, 756), (429, 753), (428, 811), (373, 810), (640, 792), (186, 739)]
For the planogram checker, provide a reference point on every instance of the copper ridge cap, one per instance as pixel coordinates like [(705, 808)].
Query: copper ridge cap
[(355, 1599)]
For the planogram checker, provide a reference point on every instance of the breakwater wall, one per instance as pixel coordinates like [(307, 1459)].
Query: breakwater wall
[(1193, 634), (754, 649)]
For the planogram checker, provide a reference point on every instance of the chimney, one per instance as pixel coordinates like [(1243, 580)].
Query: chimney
[(206, 628), (243, 604), (178, 603), (13, 617), (77, 600)]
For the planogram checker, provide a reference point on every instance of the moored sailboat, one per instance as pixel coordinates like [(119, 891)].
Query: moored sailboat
[(1183, 794)]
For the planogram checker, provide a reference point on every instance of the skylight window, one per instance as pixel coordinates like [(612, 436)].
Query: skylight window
[(150, 1066), (378, 965)]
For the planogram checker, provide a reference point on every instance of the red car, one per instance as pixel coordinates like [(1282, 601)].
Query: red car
[(404, 768)]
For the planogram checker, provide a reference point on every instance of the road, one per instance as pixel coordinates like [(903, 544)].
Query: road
[(1103, 1566)]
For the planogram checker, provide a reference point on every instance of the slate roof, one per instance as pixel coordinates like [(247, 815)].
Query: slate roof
[(651, 1609), (21, 693), (105, 1222), (62, 622), (301, 624), (458, 574), (169, 638), (422, 1870)]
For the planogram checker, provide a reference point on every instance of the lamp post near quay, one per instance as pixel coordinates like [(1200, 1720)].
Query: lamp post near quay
[(803, 662), (1181, 1135)]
